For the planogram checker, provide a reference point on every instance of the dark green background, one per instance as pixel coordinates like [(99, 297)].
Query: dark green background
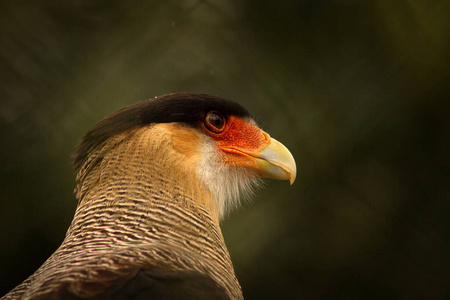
[(357, 90)]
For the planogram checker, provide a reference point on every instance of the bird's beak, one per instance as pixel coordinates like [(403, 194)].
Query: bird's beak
[(265, 155), (276, 162), (247, 146)]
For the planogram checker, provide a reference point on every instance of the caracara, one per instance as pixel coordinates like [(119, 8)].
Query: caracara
[(153, 181)]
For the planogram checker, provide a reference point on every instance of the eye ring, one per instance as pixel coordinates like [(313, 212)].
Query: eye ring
[(215, 121)]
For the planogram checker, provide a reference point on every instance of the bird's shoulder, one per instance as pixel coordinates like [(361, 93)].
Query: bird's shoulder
[(169, 284), (136, 284)]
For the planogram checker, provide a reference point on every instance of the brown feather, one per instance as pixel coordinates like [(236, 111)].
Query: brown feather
[(140, 207)]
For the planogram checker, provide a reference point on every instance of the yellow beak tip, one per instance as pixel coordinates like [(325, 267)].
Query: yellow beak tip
[(291, 181), (276, 162)]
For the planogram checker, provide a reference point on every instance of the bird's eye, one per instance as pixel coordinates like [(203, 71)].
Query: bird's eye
[(215, 122)]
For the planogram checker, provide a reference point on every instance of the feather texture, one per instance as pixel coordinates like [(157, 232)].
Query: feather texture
[(140, 208), (229, 185)]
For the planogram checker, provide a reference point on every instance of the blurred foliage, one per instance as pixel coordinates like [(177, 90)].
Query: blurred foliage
[(357, 90)]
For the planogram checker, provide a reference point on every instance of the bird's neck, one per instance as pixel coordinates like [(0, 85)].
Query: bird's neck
[(134, 176), (132, 196)]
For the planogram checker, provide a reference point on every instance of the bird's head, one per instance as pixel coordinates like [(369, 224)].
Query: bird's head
[(196, 138)]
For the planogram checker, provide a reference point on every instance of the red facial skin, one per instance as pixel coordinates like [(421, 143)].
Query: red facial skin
[(240, 141)]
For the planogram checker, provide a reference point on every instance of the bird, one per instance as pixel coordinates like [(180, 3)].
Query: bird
[(154, 180)]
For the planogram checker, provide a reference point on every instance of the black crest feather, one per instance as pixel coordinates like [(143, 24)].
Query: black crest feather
[(188, 108)]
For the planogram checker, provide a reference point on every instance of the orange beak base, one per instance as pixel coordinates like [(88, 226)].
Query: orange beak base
[(246, 145)]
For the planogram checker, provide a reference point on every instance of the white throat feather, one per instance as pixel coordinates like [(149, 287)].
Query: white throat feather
[(227, 184)]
